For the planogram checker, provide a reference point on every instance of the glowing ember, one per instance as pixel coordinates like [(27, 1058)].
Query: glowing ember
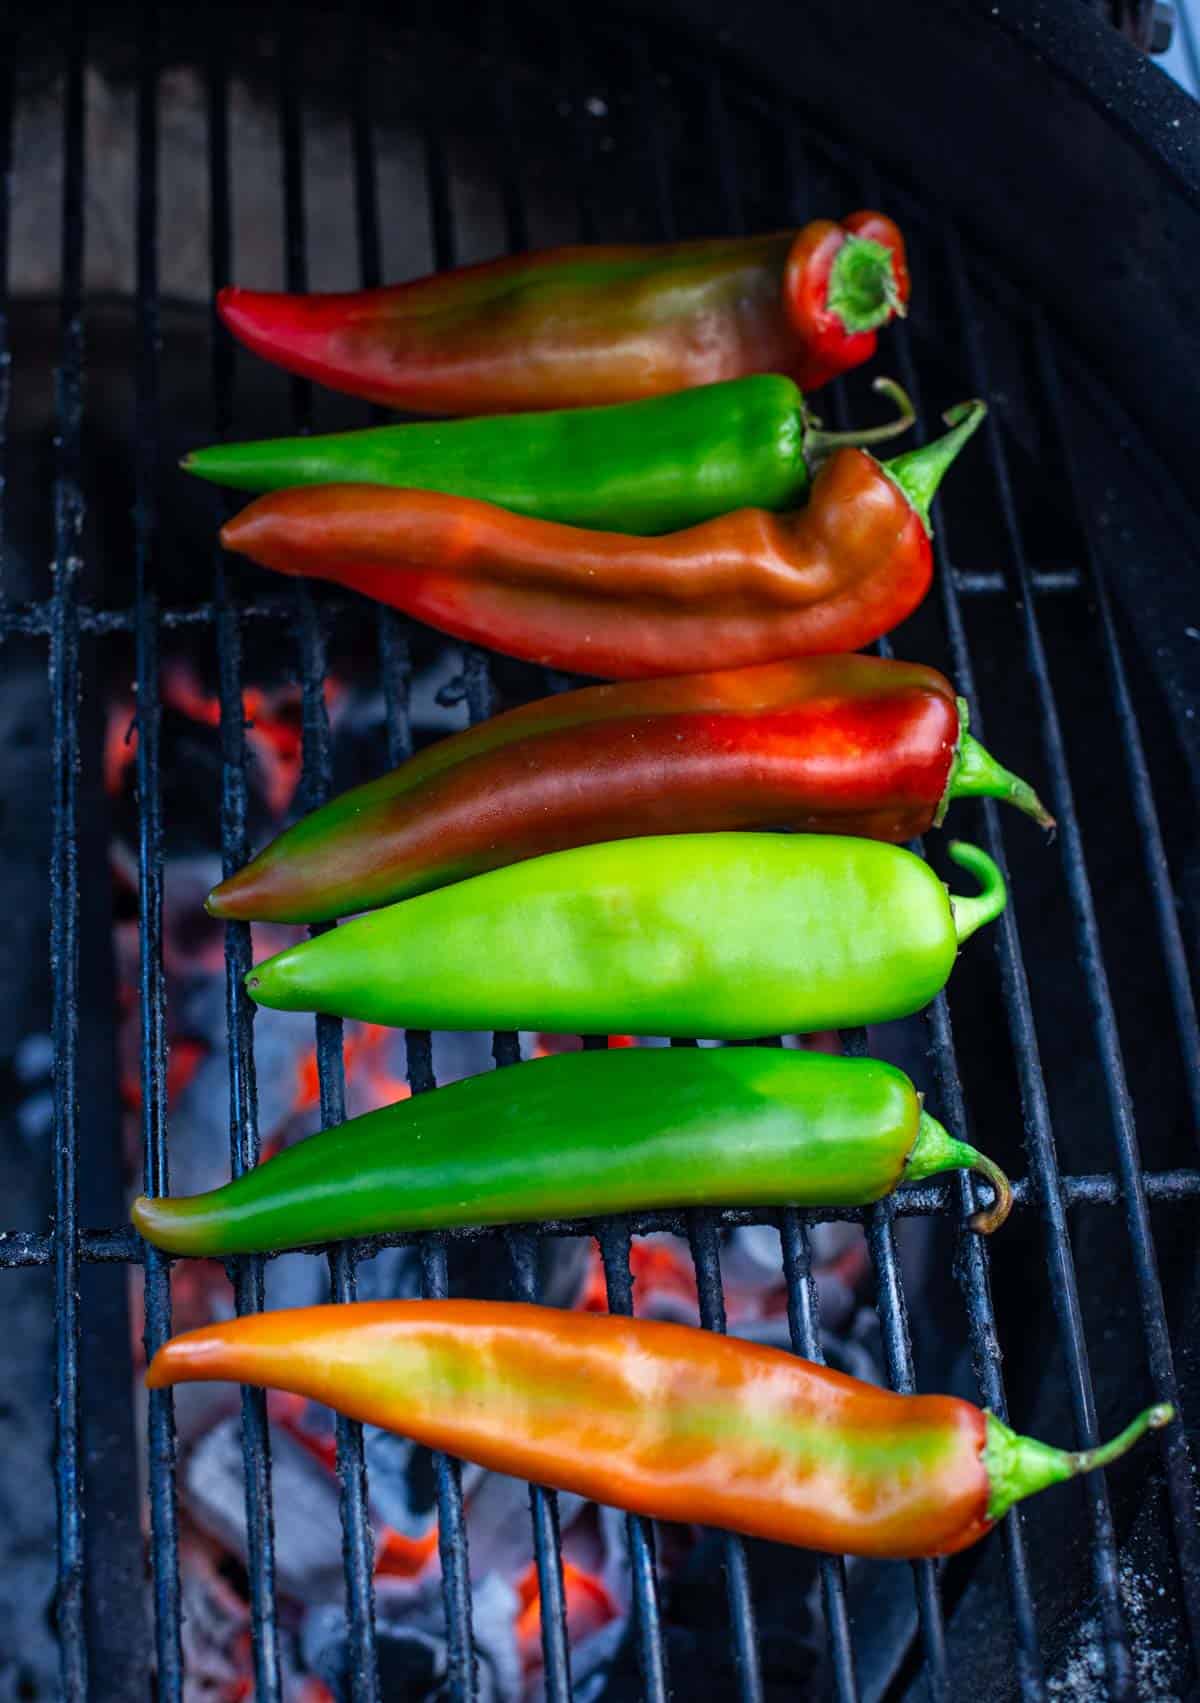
[(589, 1607)]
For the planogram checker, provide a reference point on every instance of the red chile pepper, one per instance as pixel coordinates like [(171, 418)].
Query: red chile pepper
[(745, 588), (830, 744), (569, 327), (668, 1421)]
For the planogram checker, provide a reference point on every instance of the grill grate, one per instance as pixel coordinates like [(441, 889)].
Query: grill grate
[(64, 618)]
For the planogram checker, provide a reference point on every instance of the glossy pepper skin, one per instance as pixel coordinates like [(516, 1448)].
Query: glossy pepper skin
[(668, 1421), (745, 588), (576, 327), (725, 935), (646, 467), (833, 744), (582, 1134)]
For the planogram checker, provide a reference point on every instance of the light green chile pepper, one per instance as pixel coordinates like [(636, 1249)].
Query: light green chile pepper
[(722, 935)]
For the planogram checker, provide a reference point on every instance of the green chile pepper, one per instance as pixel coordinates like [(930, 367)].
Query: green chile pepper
[(647, 467), (583, 1134), (726, 935)]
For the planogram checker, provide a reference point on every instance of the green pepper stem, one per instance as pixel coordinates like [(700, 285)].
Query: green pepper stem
[(971, 913), (936, 1150), (975, 773), (862, 291), (919, 472), (1019, 1466), (820, 442)]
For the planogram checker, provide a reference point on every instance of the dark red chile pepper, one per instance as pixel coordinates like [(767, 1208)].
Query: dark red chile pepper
[(572, 327), (839, 744)]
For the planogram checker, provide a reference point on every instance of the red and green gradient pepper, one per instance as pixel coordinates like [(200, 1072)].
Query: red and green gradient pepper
[(662, 1419), (646, 467), (573, 327), (835, 744), (745, 588), (582, 1134), (725, 935)]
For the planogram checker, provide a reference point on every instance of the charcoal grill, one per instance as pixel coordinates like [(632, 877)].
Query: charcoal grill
[(1058, 609)]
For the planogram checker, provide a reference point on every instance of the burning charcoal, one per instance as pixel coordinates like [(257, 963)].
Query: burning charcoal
[(401, 1481), (500, 1527), (308, 1545), (296, 1280), (461, 1053), (411, 1645), (592, 1660)]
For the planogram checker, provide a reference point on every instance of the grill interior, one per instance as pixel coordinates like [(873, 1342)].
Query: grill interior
[(331, 149)]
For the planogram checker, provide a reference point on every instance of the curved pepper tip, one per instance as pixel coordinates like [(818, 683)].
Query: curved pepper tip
[(990, 1218), (971, 913)]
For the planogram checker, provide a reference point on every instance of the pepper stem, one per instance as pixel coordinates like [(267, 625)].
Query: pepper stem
[(975, 773), (919, 472), (1019, 1466), (862, 291), (820, 442), (936, 1150), (971, 913)]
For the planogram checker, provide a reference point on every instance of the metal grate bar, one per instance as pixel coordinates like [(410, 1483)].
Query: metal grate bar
[(1045, 1176), (897, 1346), (973, 1259), (164, 1520), (462, 1677), (804, 1325), (570, 70), (506, 1046), (661, 211), (246, 1273), (316, 785), (64, 874), (35, 619), (516, 223), (925, 1200), (1145, 810), (1096, 980), (880, 1233), (1045, 1184), (971, 1268), (706, 1257), (543, 1504), (615, 1244)]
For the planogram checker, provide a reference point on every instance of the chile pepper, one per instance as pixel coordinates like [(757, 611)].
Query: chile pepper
[(662, 1419), (644, 467), (747, 587), (726, 935), (837, 744), (569, 327), (587, 1133)]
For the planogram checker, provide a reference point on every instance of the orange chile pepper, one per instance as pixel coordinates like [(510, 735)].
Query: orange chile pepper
[(748, 587), (573, 327), (663, 1419)]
